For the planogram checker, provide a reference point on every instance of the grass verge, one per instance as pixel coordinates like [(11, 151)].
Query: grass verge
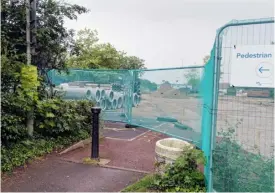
[(142, 185)]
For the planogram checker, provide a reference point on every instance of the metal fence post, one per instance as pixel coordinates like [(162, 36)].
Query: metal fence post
[(95, 132)]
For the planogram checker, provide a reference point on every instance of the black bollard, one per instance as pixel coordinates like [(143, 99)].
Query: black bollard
[(95, 132)]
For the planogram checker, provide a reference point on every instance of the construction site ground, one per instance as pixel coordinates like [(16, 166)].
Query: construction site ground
[(252, 119), (130, 153)]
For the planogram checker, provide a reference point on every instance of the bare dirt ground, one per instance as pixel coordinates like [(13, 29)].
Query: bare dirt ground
[(256, 116), (186, 110)]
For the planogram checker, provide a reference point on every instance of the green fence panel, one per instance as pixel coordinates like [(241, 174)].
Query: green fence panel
[(109, 89), (231, 122), (243, 140), (207, 90), (168, 101)]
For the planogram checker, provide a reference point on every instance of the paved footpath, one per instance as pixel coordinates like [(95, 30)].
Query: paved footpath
[(55, 175), (131, 150)]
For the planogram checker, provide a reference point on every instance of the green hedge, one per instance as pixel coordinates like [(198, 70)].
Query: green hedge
[(20, 153), (55, 117), (58, 123)]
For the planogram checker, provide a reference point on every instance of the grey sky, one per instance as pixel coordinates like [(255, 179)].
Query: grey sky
[(166, 32)]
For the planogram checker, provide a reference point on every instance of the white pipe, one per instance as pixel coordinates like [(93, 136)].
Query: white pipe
[(97, 104), (119, 102), (124, 101), (114, 104), (89, 94), (139, 99), (108, 104), (135, 99), (103, 104), (93, 94), (75, 93), (109, 94), (63, 85), (119, 98), (102, 93)]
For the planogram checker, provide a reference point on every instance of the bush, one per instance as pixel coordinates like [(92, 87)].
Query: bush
[(58, 123), (53, 118), (20, 153), (56, 117), (13, 118), (12, 129), (19, 96), (183, 175), (237, 170)]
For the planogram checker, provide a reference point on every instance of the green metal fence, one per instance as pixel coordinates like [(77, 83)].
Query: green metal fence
[(171, 102), (162, 100), (242, 142), (216, 107)]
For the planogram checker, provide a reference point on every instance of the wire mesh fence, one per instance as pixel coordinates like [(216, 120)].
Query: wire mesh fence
[(163, 100), (243, 151), (216, 107), (109, 90), (171, 102)]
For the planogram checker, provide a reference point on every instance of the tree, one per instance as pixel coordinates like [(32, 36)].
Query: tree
[(53, 41), (100, 56), (193, 78), (132, 62), (88, 53), (86, 40), (206, 59), (148, 85)]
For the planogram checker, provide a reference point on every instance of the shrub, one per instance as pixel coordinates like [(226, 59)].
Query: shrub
[(20, 153), (19, 94), (13, 119), (183, 175), (58, 123), (56, 117), (53, 118), (237, 170), (12, 129)]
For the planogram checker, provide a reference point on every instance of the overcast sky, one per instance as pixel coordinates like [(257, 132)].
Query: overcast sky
[(166, 33)]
